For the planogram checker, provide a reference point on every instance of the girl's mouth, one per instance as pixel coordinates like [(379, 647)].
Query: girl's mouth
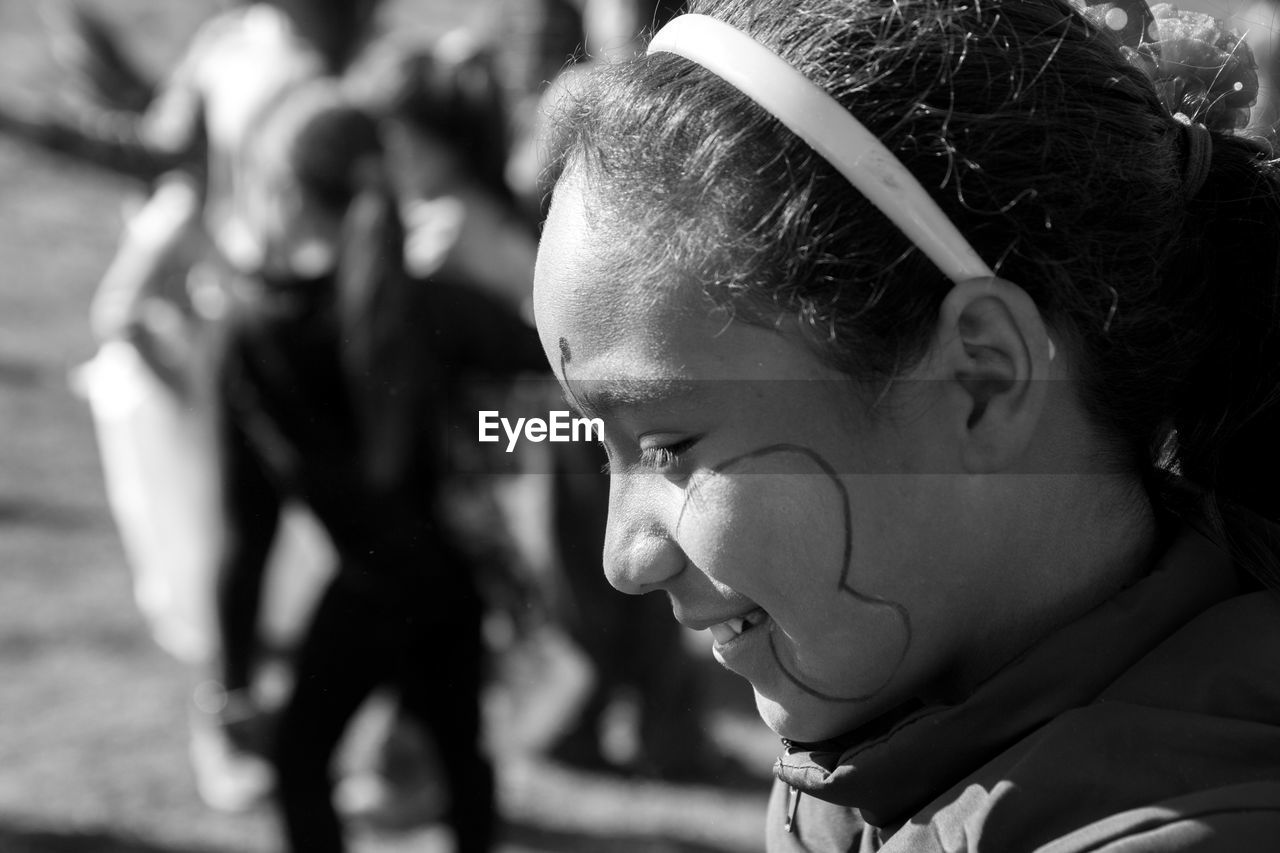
[(729, 630)]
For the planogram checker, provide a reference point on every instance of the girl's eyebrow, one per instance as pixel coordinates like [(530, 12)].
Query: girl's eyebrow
[(608, 397)]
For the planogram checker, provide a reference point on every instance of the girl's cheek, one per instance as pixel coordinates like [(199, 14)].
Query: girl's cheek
[(769, 524), (775, 526)]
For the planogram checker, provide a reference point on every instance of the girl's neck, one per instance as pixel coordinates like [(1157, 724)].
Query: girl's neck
[(1091, 536)]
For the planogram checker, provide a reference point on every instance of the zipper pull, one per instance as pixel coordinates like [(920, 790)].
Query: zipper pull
[(793, 803)]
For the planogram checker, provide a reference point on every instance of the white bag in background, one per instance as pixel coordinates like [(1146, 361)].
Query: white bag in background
[(161, 487), (161, 483)]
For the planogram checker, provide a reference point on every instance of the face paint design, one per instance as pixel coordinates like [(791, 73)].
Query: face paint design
[(777, 526)]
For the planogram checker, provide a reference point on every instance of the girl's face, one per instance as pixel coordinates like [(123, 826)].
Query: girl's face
[(820, 542)]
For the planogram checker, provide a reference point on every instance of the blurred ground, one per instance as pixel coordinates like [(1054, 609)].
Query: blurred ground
[(93, 733)]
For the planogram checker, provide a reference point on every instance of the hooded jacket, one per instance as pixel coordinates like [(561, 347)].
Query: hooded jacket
[(1150, 724)]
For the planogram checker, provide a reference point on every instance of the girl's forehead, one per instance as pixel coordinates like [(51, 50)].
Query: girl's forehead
[(581, 269), (592, 239), (620, 307), (601, 324)]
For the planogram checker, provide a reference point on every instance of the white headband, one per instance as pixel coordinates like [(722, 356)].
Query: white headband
[(830, 129)]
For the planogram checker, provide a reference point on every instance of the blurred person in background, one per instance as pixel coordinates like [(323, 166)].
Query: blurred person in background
[(444, 117), (162, 295), (330, 385), (191, 123), (171, 277), (236, 66)]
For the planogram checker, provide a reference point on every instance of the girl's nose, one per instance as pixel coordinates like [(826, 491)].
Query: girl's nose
[(639, 551)]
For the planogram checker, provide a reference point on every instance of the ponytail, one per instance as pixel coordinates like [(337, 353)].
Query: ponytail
[(1225, 410), (1227, 416), (1221, 279)]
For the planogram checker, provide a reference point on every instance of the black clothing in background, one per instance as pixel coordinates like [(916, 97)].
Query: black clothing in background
[(403, 607)]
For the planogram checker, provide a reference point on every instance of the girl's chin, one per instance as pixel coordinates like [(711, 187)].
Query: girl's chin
[(806, 724), (800, 716)]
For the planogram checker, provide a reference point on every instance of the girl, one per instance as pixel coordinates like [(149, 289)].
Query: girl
[(938, 348), (330, 390)]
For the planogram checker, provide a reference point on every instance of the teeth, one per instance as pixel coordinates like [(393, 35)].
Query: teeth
[(728, 630), (722, 632)]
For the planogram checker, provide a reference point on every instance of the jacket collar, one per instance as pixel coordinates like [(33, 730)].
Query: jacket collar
[(896, 765)]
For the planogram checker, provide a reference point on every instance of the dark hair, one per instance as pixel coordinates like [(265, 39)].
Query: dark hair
[(452, 92), (1052, 154), (333, 151)]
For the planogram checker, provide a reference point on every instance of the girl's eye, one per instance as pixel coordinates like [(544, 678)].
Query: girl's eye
[(666, 459)]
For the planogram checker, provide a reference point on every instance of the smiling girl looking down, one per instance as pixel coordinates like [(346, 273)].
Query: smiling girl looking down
[(963, 447)]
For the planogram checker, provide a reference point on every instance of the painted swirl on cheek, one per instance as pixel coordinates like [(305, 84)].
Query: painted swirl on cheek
[(776, 525)]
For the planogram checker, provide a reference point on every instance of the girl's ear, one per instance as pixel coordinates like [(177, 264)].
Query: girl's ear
[(993, 351)]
